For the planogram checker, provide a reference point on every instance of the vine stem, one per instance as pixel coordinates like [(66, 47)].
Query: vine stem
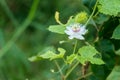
[(21, 28), (70, 70), (75, 47), (87, 43), (92, 13), (84, 76), (62, 75)]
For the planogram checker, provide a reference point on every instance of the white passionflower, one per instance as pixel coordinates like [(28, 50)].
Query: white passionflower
[(76, 30)]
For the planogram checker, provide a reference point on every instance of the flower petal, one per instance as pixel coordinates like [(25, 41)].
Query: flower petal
[(70, 37), (83, 30), (80, 37), (68, 32), (68, 28)]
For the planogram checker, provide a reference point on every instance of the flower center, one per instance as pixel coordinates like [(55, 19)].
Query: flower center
[(75, 28)]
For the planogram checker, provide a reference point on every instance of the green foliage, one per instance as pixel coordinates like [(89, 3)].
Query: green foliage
[(101, 18), (109, 7), (107, 49), (116, 33), (118, 52), (49, 55), (87, 53), (57, 29), (115, 74), (71, 58)]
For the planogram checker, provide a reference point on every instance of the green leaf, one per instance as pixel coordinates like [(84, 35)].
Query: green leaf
[(71, 58), (116, 33), (57, 29), (49, 55), (109, 7), (82, 60), (118, 52), (46, 55), (60, 55), (34, 58), (107, 48), (115, 74), (87, 53), (101, 18), (96, 61)]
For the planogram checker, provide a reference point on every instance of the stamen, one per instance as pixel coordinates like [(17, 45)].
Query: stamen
[(75, 28)]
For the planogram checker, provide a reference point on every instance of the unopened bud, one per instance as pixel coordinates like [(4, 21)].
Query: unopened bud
[(81, 17)]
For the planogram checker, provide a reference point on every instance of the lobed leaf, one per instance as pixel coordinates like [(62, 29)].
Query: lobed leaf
[(109, 7), (49, 55), (60, 55), (87, 53)]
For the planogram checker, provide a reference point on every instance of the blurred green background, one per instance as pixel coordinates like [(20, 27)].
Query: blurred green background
[(14, 64), (24, 30)]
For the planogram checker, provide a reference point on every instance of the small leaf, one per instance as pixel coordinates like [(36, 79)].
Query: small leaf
[(57, 29), (57, 18), (46, 55), (34, 58), (116, 33), (61, 50), (71, 58), (87, 53), (118, 52), (115, 74)]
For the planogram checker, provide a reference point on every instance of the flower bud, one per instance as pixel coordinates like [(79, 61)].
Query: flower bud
[(81, 17)]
